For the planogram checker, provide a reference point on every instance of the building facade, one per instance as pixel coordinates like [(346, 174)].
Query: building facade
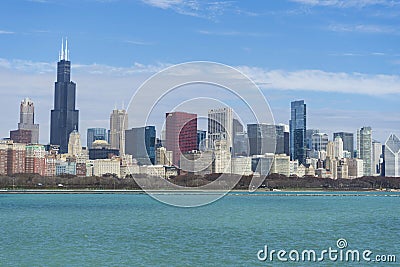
[(140, 143), (348, 141), (338, 147), (94, 134), (102, 150), (118, 125), (28, 131), (220, 126), (74, 144), (64, 116), (297, 124), (21, 136), (35, 161), (266, 138), (376, 158), (163, 156), (364, 148), (180, 134), (319, 141), (392, 156), (201, 139)]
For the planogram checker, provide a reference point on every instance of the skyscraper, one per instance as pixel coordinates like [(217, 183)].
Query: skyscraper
[(392, 156), (64, 116), (309, 137), (297, 124), (220, 126), (338, 147), (28, 131), (364, 146), (319, 141), (376, 158), (348, 141), (74, 144), (286, 139), (94, 134), (266, 138), (140, 143), (180, 134), (201, 139), (118, 125), (240, 140)]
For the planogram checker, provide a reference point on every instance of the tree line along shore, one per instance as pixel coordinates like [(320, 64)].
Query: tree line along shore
[(274, 181)]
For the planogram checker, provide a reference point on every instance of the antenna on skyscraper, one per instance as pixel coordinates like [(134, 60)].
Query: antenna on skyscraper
[(66, 49), (62, 49)]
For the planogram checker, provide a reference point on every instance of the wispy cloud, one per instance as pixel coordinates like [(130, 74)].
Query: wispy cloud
[(309, 80), (164, 4), (232, 33), (319, 80), (39, 1), (195, 8), (359, 54), (136, 42), (27, 66), (6, 32), (136, 68), (113, 84), (363, 28), (348, 3), (50, 67)]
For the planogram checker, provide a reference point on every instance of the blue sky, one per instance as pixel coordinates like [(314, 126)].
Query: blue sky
[(342, 57)]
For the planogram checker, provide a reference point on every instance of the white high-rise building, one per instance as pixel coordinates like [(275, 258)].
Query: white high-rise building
[(106, 166), (118, 125), (364, 147), (330, 150), (338, 147), (241, 166), (281, 165), (74, 144), (392, 156), (220, 126), (163, 156), (376, 158), (222, 163)]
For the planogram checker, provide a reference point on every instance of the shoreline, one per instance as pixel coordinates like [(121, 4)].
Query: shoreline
[(314, 191)]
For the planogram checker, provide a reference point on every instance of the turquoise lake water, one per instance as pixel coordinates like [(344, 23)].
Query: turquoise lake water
[(136, 230)]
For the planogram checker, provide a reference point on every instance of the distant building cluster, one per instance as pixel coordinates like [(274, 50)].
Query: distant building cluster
[(226, 146)]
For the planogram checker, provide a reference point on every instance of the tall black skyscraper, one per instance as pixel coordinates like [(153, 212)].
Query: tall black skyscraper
[(64, 116), (297, 124)]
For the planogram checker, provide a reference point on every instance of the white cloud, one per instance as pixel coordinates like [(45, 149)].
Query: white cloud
[(136, 42), (195, 8), (232, 33), (318, 80), (362, 28), (100, 87), (6, 32), (50, 67), (164, 4), (348, 3)]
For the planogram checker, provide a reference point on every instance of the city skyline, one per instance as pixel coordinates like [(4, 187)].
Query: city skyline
[(345, 68)]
